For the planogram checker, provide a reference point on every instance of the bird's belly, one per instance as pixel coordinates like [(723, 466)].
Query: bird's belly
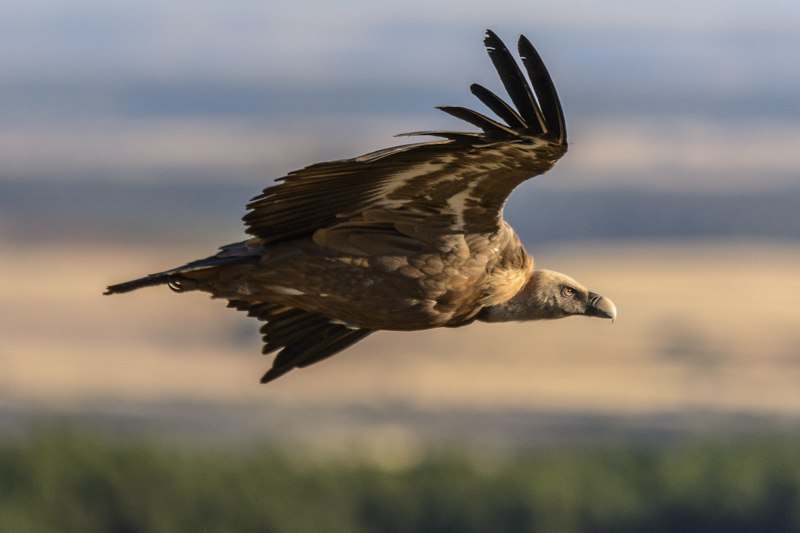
[(389, 292), (445, 284)]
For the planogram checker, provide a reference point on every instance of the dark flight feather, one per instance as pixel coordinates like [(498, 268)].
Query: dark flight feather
[(514, 82), (496, 104), (464, 137), (476, 119), (545, 90), (303, 338)]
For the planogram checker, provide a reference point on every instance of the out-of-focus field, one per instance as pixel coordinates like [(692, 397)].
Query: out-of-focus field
[(709, 326), (67, 482)]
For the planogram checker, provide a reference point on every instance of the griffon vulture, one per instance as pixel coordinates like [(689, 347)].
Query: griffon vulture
[(406, 238)]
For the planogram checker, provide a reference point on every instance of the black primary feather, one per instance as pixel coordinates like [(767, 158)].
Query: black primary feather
[(545, 90), (498, 106), (476, 119), (515, 83)]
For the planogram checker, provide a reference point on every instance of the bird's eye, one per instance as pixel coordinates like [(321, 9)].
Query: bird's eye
[(567, 292)]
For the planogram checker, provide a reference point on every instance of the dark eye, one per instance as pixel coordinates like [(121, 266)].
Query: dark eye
[(567, 292)]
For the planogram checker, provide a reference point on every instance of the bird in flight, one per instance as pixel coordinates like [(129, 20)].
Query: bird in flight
[(407, 238)]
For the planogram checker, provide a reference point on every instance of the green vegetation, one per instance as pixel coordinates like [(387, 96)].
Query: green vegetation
[(58, 482)]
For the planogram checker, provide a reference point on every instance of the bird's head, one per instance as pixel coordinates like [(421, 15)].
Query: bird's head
[(549, 295)]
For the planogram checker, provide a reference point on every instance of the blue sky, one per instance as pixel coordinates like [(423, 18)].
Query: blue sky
[(677, 95)]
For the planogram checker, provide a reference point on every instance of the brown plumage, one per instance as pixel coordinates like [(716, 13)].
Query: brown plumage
[(407, 238)]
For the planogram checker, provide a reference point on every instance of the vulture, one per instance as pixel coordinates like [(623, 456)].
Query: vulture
[(406, 238)]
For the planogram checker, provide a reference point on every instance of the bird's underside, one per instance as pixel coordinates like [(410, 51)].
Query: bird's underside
[(407, 238)]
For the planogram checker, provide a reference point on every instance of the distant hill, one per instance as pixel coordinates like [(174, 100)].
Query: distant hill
[(41, 211)]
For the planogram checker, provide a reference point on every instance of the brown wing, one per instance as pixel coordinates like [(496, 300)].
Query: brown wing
[(455, 185), (303, 338)]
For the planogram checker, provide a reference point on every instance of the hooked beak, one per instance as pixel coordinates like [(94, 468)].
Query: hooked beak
[(601, 307)]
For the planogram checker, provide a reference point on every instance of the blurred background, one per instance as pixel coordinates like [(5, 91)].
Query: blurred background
[(132, 134)]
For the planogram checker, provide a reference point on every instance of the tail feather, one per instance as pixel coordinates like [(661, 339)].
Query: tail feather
[(162, 278), (232, 253)]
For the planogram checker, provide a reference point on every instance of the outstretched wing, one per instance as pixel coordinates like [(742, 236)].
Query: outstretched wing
[(455, 185), (303, 338)]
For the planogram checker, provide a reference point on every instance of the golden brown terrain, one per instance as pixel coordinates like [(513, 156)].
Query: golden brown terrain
[(709, 326)]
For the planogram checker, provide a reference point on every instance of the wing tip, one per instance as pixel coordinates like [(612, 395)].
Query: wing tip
[(272, 374), (544, 103), (491, 37), (544, 88)]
